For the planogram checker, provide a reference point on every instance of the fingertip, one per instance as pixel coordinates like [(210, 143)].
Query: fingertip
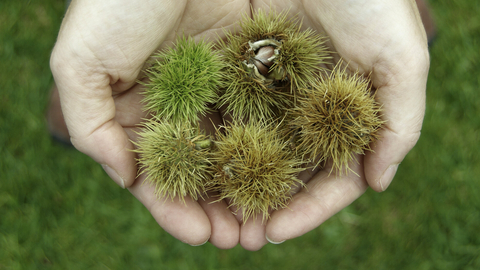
[(111, 147), (114, 175), (190, 226), (201, 244), (382, 163), (183, 219), (122, 168), (386, 179), (275, 242), (225, 230), (198, 239), (253, 245), (252, 234)]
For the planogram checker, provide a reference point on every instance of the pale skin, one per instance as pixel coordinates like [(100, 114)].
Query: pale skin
[(103, 45)]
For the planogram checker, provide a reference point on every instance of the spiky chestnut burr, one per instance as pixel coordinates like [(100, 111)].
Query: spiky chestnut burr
[(175, 158), (337, 118), (256, 170), (266, 63), (183, 80)]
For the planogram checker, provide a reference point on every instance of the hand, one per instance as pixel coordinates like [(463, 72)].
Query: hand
[(101, 49), (387, 39)]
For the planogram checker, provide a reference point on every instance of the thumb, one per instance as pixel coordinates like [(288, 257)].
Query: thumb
[(89, 111), (403, 98)]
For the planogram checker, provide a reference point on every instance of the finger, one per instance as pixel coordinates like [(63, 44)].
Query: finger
[(252, 233), (225, 228), (326, 194), (185, 221), (252, 230), (401, 91)]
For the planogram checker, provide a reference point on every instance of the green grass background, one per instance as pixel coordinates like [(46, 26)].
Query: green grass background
[(59, 210)]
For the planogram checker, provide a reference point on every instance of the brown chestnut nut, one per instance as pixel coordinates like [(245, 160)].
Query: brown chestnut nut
[(263, 59)]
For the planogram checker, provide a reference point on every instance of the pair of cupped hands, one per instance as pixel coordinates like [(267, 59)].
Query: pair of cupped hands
[(101, 51)]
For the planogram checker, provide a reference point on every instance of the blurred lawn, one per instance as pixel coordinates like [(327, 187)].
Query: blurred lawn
[(58, 209)]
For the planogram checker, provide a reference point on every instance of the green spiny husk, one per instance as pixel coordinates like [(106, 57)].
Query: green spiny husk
[(176, 158), (299, 59), (256, 170), (337, 118), (302, 52), (183, 80)]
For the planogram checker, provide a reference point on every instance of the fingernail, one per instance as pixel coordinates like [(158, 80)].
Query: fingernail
[(200, 244), (114, 175), (273, 242), (387, 176)]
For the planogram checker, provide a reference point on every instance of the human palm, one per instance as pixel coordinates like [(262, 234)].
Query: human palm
[(101, 51)]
